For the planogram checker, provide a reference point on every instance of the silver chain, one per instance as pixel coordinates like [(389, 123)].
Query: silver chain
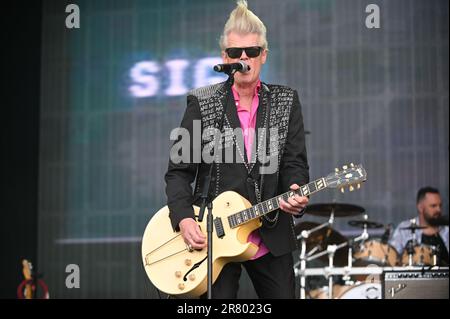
[(249, 169), (275, 219)]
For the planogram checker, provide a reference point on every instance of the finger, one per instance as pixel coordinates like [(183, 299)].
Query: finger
[(197, 239), (186, 237), (199, 233), (296, 206), (287, 207), (302, 204), (284, 205), (301, 199), (198, 246), (294, 187), (293, 203), (189, 243)]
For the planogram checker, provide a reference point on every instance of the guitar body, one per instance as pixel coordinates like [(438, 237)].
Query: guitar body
[(167, 259)]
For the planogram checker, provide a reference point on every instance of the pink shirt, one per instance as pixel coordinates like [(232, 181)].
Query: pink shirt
[(248, 124)]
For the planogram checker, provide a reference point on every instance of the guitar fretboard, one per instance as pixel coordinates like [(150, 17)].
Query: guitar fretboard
[(272, 204)]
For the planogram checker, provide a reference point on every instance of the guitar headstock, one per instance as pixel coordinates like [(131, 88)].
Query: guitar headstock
[(27, 269), (350, 175)]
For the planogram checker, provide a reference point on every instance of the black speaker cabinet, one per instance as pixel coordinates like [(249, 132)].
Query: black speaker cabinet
[(412, 284)]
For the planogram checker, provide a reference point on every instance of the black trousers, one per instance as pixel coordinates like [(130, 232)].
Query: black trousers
[(272, 277)]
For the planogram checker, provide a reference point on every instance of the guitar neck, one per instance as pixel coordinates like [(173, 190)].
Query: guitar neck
[(272, 204)]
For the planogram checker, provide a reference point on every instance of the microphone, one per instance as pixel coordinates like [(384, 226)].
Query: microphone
[(229, 68)]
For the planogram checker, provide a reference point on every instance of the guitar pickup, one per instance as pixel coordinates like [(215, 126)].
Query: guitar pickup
[(219, 227)]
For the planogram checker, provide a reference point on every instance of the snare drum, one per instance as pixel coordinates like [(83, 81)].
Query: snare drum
[(375, 252), (423, 255)]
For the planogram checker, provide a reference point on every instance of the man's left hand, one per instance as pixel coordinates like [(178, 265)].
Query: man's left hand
[(295, 204)]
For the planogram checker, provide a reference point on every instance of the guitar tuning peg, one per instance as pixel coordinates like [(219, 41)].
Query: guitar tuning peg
[(345, 167), (358, 186), (351, 188), (336, 170), (342, 190)]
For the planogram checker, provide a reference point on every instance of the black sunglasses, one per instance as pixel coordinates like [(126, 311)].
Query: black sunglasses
[(251, 52)]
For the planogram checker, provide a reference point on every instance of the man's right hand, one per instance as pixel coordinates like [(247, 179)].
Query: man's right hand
[(191, 233)]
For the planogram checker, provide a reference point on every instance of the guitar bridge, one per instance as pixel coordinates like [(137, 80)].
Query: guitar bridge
[(219, 227)]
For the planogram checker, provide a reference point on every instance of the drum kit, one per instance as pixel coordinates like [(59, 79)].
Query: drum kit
[(357, 261)]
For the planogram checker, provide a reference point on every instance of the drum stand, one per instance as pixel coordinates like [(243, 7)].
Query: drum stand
[(410, 249), (411, 244), (331, 249), (363, 237), (303, 258), (435, 252)]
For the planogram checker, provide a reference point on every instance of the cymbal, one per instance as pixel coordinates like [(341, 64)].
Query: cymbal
[(368, 223), (321, 239), (414, 227), (340, 210)]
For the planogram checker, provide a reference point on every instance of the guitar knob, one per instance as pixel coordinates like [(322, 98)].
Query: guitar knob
[(178, 274), (181, 286), (358, 186), (188, 262), (336, 170), (342, 190), (191, 277), (345, 167), (351, 188), (352, 165)]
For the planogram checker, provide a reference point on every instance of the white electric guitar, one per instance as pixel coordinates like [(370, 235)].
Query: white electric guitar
[(182, 272)]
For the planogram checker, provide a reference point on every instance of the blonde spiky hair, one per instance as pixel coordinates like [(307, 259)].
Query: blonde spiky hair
[(243, 21)]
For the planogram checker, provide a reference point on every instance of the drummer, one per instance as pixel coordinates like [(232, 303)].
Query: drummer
[(435, 233)]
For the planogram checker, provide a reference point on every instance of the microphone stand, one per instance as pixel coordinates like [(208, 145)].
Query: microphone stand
[(206, 202)]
